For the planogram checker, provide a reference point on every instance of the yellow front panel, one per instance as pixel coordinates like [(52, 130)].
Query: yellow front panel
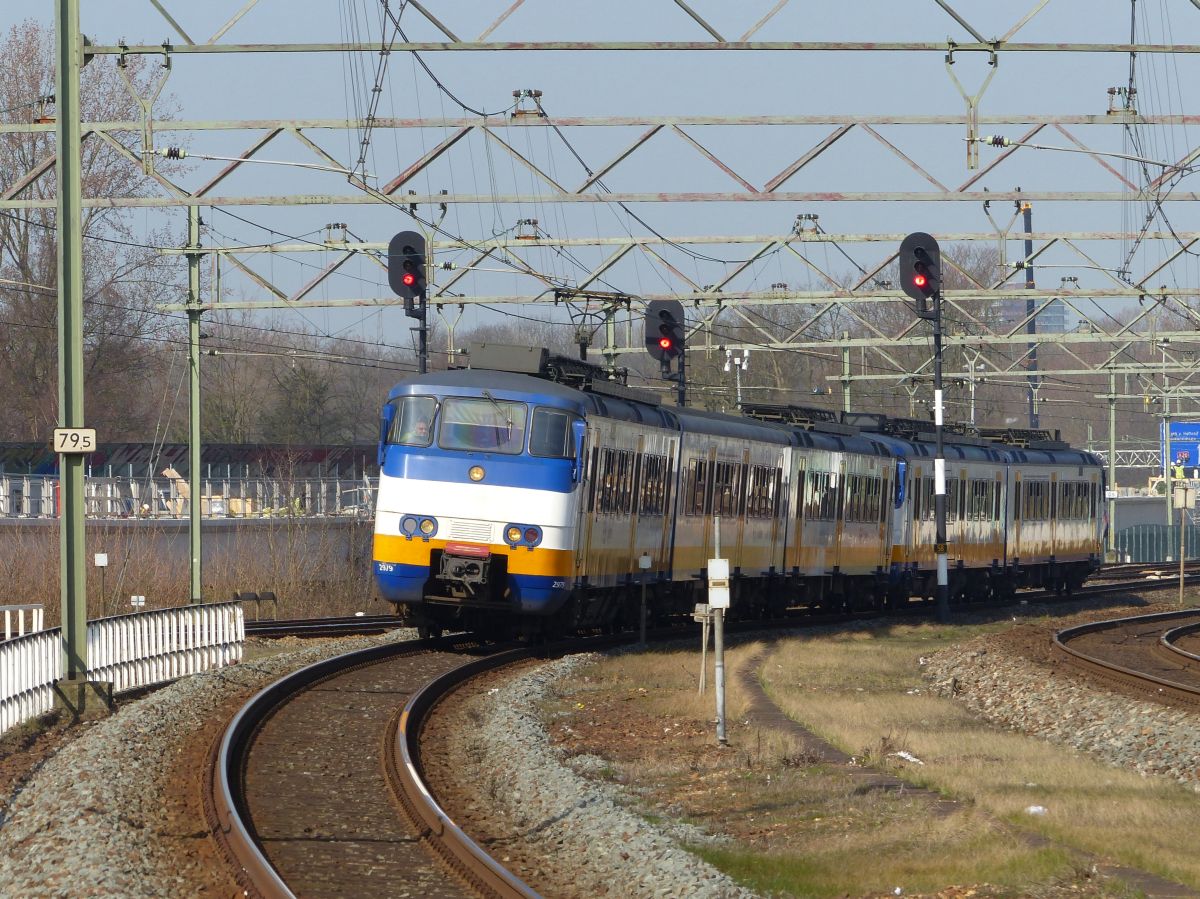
[(522, 560)]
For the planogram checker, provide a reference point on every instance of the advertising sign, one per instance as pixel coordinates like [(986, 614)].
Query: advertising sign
[(1182, 446)]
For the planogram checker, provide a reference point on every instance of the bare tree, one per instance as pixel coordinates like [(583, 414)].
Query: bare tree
[(123, 277)]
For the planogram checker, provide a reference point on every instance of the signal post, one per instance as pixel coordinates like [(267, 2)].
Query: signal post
[(921, 278)]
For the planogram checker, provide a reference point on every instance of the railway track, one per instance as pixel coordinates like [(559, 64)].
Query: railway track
[(348, 626), (307, 786), (1147, 656)]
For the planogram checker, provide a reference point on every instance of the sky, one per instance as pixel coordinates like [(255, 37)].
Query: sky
[(615, 83)]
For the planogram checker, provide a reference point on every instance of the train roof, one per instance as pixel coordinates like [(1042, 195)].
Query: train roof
[(614, 402), (859, 433)]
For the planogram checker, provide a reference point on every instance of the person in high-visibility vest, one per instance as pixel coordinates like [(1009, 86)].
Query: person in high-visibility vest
[(1177, 471)]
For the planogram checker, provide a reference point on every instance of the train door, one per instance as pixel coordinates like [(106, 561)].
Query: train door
[(1017, 502), (834, 558), (706, 525), (587, 505), (962, 530), (779, 512), (739, 502), (664, 561), (795, 558), (1054, 528), (636, 506), (898, 506)]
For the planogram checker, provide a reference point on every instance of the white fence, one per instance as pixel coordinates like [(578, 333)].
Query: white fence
[(130, 651), (35, 496), (37, 619)]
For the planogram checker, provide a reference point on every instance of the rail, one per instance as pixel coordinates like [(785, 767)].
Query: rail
[(36, 496), (224, 805), (446, 839), (1119, 675), (131, 651), (37, 619)]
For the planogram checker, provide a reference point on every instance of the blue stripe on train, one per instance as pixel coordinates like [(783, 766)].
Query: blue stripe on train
[(432, 464), (530, 594)]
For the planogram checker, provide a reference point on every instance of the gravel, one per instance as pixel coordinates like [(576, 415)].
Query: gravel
[(582, 830), (1014, 692), (102, 816)]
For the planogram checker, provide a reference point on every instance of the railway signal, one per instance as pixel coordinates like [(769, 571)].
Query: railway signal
[(921, 269), (664, 329), (406, 277), (406, 269), (665, 339)]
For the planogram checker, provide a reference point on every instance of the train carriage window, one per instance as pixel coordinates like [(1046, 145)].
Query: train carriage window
[(412, 424), (607, 489), (646, 486), (482, 425), (550, 434), (831, 500), (653, 485), (625, 482), (756, 492), (821, 497), (724, 487)]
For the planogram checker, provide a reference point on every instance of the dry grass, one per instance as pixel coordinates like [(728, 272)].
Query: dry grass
[(312, 568), (1148, 823), (800, 827)]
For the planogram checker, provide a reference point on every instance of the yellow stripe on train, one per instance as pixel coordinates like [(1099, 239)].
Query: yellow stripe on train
[(521, 560)]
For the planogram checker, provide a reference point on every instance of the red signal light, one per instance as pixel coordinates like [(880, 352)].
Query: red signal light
[(409, 279), (920, 280), (665, 343)]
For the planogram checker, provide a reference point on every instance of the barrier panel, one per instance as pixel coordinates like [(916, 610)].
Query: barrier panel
[(131, 651), (1156, 543)]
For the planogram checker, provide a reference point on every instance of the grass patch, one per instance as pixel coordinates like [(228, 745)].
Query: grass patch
[(794, 825), (1142, 822)]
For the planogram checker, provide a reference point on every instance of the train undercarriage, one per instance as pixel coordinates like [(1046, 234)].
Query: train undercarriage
[(487, 608)]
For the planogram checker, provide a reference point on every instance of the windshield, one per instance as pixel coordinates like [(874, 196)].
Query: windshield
[(413, 422), (489, 425)]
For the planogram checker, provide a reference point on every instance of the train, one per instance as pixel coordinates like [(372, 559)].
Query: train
[(533, 493)]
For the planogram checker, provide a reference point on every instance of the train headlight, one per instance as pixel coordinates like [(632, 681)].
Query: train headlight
[(408, 525), (476, 473), (533, 536), (428, 526), (513, 534)]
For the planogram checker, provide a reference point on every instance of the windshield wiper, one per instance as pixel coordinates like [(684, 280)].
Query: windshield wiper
[(505, 412)]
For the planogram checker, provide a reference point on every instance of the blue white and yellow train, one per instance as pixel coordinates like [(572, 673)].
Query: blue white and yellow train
[(510, 500)]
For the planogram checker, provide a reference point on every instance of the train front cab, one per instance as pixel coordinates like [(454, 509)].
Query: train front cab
[(478, 498)]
